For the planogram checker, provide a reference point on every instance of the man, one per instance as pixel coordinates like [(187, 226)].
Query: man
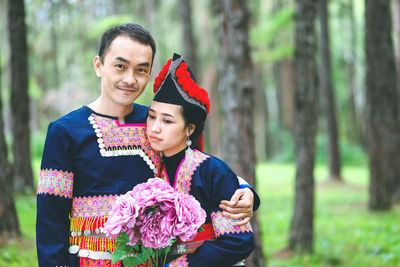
[(98, 152)]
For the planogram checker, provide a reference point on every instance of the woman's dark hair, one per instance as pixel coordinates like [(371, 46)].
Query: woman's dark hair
[(197, 116), (132, 30)]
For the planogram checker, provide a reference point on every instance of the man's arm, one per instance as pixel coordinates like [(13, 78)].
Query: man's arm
[(54, 200), (242, 203)]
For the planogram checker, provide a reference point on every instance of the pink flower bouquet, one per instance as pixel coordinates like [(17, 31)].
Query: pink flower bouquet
[(148, 219)]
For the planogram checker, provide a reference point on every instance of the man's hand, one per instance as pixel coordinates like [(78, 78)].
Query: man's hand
[(240, 206)]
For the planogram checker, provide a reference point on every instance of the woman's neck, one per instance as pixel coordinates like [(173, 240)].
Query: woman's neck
[(172, 163)]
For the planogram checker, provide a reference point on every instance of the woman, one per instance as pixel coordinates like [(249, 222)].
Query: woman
[(174, 126)]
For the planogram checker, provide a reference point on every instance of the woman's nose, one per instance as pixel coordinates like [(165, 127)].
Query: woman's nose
[(155, 127)]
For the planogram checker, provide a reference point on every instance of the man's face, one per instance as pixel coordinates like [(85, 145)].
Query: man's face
[(125, 71)]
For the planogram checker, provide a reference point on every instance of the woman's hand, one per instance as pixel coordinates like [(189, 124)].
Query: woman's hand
[(240, 206)]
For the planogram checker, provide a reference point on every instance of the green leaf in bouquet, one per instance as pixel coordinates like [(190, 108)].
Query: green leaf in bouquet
[(132, 261), (147, 253), (118, 254), (201, 229), (172, 241), (123, 238)]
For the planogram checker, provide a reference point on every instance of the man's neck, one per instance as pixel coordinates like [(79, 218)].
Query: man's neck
[(111, 109)]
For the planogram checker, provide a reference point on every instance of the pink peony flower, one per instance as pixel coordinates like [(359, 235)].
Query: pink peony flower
[(151, 192), (152, 213), (123, 216), (189, 217), (149, 228)]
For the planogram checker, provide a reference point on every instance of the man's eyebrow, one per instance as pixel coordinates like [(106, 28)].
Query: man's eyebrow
[(144, 64), (121, 59)]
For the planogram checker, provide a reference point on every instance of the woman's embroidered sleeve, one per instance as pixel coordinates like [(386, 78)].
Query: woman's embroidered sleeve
[(54, 199), (233, 243)]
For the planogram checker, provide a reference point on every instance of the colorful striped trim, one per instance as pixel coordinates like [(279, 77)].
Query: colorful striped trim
[(93, 243), (55, 182), (87, 262), (179, 262), (186, 171), (89, 214), (223, 225)]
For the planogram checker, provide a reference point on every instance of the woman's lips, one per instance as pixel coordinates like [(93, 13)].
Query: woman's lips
[(154, 139)]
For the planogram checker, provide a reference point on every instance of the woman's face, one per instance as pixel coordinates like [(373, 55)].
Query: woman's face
[(166, 128)]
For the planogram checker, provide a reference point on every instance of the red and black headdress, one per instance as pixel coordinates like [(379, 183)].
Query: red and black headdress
[(176, 84)]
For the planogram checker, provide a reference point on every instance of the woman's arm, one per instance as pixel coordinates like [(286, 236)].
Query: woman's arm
[(233, 243)]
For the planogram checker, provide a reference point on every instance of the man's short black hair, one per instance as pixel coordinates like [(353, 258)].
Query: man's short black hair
[(132, 30)]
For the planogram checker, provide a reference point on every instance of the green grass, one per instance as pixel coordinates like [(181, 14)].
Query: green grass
[(22, 252), (346, 233)]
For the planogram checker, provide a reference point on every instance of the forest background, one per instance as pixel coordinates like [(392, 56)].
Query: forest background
[(311, 108)]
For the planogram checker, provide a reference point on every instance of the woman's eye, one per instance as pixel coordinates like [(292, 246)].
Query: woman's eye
[(167, 121), (151, 117)]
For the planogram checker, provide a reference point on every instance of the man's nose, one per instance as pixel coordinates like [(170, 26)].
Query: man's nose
[(129, 78)]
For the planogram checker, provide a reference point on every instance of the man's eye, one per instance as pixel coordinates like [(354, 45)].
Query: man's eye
[(120, 66)]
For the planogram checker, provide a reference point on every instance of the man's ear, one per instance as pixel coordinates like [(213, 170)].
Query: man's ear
[(97, 65)]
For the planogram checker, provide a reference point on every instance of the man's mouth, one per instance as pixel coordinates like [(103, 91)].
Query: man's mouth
[(127, 89)]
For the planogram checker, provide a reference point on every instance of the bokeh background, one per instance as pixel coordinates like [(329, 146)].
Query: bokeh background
[(305, 106)]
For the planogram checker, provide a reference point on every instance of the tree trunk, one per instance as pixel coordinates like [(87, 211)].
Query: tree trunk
[(305, 127), (189, 45), (9, 227), (381, 104), (212, 127), (261, 117), (328, 95), (54, 44), (19, 95), (396, 25), (355, 122), (286, 77), (236, 86)]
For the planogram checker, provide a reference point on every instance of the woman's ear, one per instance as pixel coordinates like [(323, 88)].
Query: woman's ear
[(191, 128)]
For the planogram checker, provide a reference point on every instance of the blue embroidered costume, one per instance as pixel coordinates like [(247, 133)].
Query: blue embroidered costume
[(88, 160)]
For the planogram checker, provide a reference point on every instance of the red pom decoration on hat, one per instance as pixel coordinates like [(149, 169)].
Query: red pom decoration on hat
[(161, 76), (186, 82)]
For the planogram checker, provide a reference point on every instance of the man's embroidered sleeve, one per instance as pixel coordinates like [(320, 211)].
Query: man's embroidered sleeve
[(54, 199)]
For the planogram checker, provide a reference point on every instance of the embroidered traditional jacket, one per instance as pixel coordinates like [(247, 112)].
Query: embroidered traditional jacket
[(210, 180), (88, 160)]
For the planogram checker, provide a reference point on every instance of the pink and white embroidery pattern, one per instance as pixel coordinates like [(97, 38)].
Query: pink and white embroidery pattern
[(55, 182), (179, 262), (123, 140), (223, 225), (92, 206), (186, 171)]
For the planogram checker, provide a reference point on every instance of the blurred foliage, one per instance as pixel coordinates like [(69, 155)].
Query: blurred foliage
[(63, 38), (346, 233), (271, 39)]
